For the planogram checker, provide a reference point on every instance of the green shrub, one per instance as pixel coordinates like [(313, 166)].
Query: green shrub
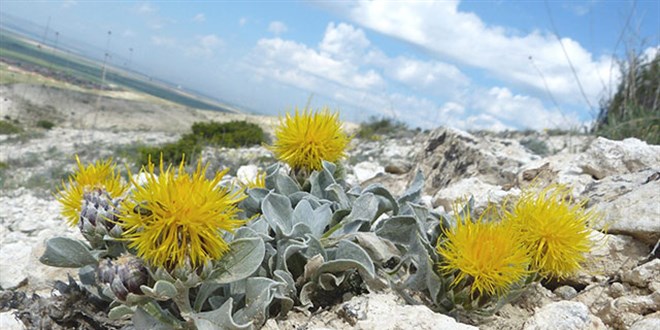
[(634, 111), (232, 134), (7, 127), (45, 124), (172, 153), (374, 128)]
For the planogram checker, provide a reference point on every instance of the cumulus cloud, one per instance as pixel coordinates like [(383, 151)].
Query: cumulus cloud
[(441, 28), (277, 27), (204, 46), (145, 8), (347, 68), (199, 18), (163, 41)]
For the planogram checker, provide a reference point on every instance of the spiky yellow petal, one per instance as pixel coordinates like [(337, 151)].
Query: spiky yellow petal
[(177, 217), (100, 175), (556, 230), (305, 139), (487, 254)]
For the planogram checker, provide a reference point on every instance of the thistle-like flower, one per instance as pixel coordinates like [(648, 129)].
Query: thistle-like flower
[(179, 218), (124, 275), (554, 228), (100, 175), (304, 140), (99, 217), (486, 255)]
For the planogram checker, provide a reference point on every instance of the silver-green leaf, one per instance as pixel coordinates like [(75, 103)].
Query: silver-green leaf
[(66, 252)]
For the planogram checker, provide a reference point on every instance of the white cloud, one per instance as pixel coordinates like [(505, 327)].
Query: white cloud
[(289, 59), (199, 18), (146, 8), (277, 27), (163, 41), (462, 37), (204, 46), (344, 41), (345, 67), (242, 21)]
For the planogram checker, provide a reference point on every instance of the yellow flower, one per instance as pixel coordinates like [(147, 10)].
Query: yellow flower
[(100, 175), (554, 228), (485, 254), (258, 182), (179, 218), (304, 140)]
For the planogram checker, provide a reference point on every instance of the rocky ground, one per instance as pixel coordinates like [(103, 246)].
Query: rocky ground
[(619, 289)]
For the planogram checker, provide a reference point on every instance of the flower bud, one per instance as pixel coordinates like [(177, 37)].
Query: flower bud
[(125, 275)]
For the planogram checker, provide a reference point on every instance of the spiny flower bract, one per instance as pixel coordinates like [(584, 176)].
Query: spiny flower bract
[(556, 230), (485, 254), (305, 139), (100, 175), (177, 218)]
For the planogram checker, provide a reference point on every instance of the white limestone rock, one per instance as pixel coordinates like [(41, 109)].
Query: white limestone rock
[(567, 315), (9, 322), (606, 157), (364, 171), (630, 204)]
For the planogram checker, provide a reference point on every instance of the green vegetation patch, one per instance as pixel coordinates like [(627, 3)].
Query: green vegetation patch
[(232, 134), (375, 128), (634, 111), (7, 127)]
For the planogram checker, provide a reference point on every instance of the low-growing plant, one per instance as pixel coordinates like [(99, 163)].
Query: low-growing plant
[(231, 134), (7, 127), (634, 110), (178, 250), (45, 124), (187, 147), (375, 128), (535, 145)]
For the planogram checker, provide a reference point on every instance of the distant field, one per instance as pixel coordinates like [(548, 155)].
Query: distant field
[(81, 70)]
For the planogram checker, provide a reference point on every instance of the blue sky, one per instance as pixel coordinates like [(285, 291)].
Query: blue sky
[(468, 64)]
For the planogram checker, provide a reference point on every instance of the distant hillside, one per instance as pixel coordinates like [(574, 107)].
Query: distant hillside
[(64, 66)]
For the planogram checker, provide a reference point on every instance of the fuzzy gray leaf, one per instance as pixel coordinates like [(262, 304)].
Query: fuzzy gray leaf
[(66, 252), (400, 229), (329, 282), (320, 220), (380, 250), (364, 208), (349, 250), (284, 184), (258, 296), (320, 180), (414, 191), (335, 192), (120, 311), (143, 320), (220, 318), (161, 290), (243, 259), (386, 200), (278, 211)]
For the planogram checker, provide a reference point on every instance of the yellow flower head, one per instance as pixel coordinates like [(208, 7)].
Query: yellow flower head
[(259, 181), (487, 254), (304, 140), (555, 229), (100, 175), (179, 218)]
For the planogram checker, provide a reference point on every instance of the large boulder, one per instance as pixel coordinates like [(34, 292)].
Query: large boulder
[(629, 203), (449, 155)]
